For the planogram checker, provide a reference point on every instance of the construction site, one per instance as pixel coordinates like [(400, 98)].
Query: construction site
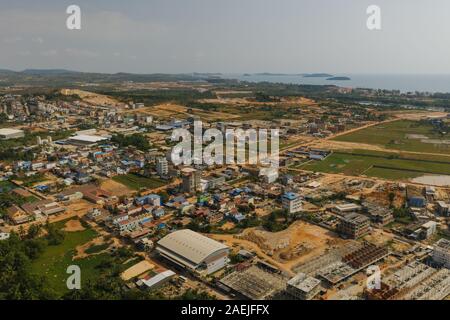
[(415, 281), (340, 264), (257, 282)]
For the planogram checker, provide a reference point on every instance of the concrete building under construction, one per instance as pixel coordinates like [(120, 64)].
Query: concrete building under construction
[(354, 225)]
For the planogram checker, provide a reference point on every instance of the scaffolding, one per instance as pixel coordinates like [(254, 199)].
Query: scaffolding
[(255, 283)]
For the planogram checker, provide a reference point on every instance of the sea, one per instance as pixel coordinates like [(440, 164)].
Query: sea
[(404, 82)]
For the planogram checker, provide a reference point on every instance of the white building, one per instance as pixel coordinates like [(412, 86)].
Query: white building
[(162, 167), (86, 140), (6, 134), (441, 253), (269, 175), (158, 280), (193, 251), (4, 235), (429, 228), (292, 202)]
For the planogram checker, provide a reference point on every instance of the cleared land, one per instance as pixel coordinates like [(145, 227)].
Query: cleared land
[(91, 97), (137, 182), (287, 248), (115, 188), (405, 135), (54, 261), (381, 164)]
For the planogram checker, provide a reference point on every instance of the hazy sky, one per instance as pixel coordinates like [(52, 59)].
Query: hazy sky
[(291, 36)]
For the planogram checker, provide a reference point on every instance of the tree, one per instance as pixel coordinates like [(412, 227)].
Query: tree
[(34, 231), (55, 236), (17, 281)]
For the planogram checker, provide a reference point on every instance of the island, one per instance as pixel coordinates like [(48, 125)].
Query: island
[(339, 78), (317, 75)]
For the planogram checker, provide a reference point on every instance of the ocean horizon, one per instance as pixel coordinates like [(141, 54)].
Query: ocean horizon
[(433, 83)]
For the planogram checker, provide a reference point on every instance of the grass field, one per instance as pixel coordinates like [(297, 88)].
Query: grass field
[(137, 182), (394, 135), (6, 186), (380, 164), (54, 261)]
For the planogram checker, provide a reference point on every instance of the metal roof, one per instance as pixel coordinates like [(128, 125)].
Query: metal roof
[(191, 245), (88, 138), (8, 131)]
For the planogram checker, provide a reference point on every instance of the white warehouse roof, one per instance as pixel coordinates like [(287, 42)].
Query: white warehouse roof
[(87, 138), (189, 245), (8, 131), (158, 278)]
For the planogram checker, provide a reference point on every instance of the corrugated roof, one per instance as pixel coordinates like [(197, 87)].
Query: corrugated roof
[(8, 131), (191, 245)]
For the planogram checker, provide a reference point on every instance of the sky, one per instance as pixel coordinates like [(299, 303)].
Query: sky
[(227, 36)]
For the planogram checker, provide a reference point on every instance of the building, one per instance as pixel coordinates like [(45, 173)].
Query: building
[(345, 208), (86, 140), (354, 225), (157, 281), (151, 199), (442, 208), (268, 175), (302, 287), (191, 180), (43, 207), (16, 215), (292, 202), (193, 251), (441, 253), (162, 167), (6, 134), (417, 202), (379, 214), (429, 228), (214, 182)]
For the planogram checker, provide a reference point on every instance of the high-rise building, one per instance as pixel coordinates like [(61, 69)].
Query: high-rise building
[(441, 253), (191, 180), (292, 202), (162, 167)]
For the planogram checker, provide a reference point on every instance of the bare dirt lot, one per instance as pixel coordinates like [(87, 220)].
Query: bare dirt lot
[(90, 97), (115, 188), (287, 248), (170, 111), (73, 226)]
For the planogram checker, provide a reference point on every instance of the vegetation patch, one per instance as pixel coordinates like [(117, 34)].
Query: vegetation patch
[(136, 182), (380, 164), (401, 135)]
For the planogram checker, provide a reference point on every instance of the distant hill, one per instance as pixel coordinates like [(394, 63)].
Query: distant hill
[(68, 78), (47, 71)]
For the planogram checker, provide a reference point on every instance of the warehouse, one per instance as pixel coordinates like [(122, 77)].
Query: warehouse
[(86, 140), (193, 251), (6, 134)]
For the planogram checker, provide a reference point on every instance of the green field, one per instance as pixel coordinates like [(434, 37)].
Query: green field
[(6, 186), (137, 182), (394, 135), (54, 261), (381, 164)]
